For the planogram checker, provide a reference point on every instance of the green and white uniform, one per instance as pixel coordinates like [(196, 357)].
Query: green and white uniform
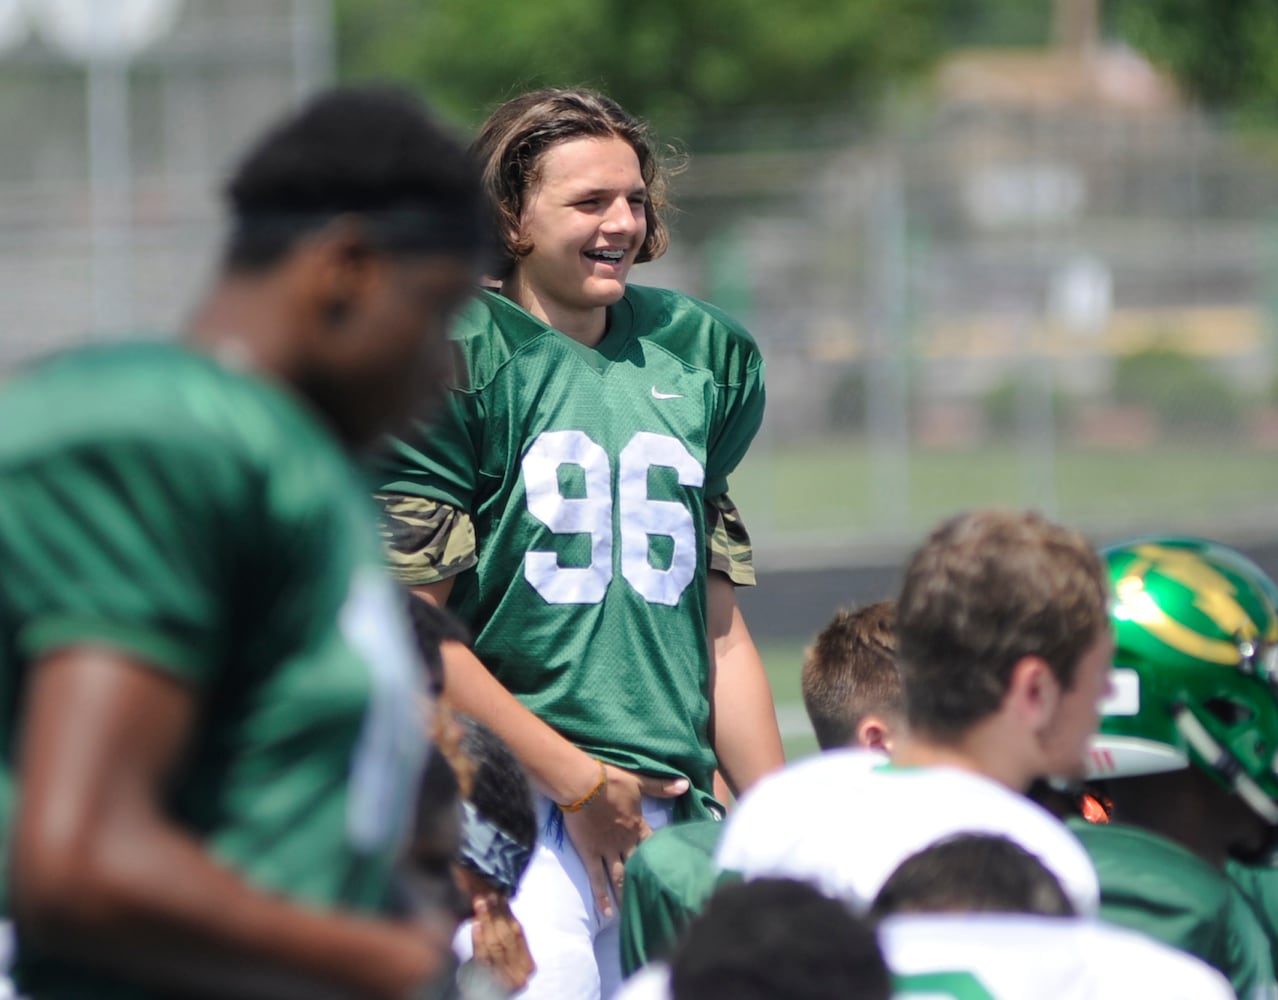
[(988, 956), (844, 820), (578, 497), (668, 880), (586, 473), (1259, 887), (1153, 885), (204, 523)]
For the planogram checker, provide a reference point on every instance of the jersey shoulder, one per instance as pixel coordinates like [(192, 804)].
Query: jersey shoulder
[(156, 392), (1118, 849), (699, 333), (487, 334), (790, 805)]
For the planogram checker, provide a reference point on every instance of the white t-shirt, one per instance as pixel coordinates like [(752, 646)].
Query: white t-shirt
[(652, 982), (843, 820), (994, 956)]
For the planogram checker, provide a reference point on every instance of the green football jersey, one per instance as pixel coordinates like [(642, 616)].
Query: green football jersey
[(204, 523), (1155, 886), (585, 472), (1259, 887), (669, 877)]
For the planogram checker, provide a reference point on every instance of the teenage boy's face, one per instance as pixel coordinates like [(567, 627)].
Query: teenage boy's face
[(1078, 711), (585, 219)]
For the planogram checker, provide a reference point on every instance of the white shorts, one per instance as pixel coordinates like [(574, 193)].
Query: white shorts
[(577, 949)]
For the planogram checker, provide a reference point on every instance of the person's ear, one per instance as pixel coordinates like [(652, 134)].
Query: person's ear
[(874, 733), (1033, 692)]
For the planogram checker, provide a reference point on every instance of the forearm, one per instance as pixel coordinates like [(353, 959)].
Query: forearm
[(101, 876), (747, 740), (147, 901), (557, 768)]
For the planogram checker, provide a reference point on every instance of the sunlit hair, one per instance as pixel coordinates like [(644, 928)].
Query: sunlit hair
[(986, 590), (513, 141), (850, 672)]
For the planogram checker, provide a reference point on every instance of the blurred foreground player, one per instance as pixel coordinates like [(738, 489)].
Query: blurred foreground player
[(210, 704), (852, 693), (1186, 751), (499, 833), (767, 940), (977, 917), (1003, 647)]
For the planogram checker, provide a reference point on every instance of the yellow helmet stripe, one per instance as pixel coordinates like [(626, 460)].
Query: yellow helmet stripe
[(1138, 606), (1214, 593)]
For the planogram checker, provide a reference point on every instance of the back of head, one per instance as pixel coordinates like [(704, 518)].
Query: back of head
[(1196, 668), (500, 826), (771, 938), (987, 589), (511, 143), (971, 873), (375, 152), (850, 672)]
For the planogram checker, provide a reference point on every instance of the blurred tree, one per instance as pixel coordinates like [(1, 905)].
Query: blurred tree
[(996, 23), (682, 65), (1221, 51)]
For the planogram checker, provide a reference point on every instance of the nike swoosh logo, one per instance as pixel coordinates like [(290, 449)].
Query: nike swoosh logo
[(664, 395)]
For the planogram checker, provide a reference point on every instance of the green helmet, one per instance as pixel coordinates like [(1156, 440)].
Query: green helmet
[(1195, 678)]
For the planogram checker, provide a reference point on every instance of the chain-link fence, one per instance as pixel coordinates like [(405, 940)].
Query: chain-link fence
[(1069, 311)]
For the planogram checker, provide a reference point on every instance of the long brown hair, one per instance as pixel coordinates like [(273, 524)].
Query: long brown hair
[(512, 142)]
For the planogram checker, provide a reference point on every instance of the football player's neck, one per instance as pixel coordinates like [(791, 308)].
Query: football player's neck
[(242, 324), (585, 325), (976, 750)]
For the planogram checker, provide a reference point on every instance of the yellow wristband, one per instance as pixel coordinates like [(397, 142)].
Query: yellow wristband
[(589, 797)]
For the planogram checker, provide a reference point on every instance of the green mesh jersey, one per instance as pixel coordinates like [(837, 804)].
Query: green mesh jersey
[(204, 523), (669, 877), (1259, 887), (1155, 886), (585, 471)]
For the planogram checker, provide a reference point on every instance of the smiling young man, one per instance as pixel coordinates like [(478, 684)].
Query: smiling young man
[(572, 508)]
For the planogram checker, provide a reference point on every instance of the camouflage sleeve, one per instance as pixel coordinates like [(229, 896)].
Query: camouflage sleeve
[(727, 541), (426, 540)]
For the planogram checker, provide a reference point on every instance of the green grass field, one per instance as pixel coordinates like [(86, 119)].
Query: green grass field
[(783, 661), (836, 488)]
